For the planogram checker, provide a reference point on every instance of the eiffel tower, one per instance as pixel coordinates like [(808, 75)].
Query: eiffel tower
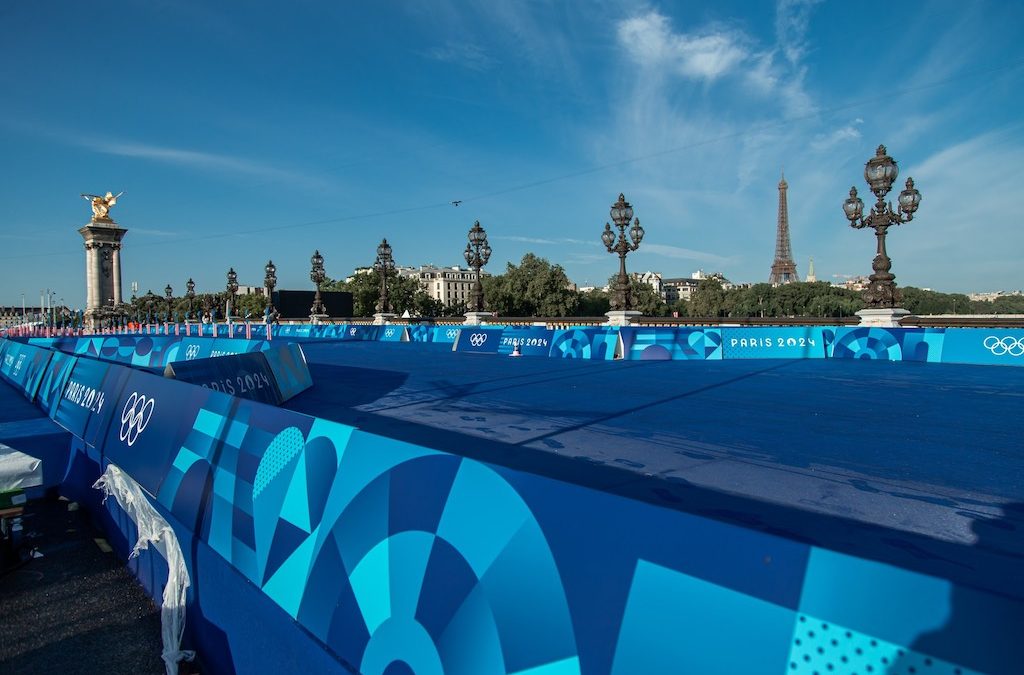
[(783, 269)]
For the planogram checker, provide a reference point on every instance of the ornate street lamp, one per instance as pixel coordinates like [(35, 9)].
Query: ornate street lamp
[(477, 253), (622, 213), (269, 282), (231, 288), (317, 276), (168, 293), (880, 172), (190, 293), (384, 264)]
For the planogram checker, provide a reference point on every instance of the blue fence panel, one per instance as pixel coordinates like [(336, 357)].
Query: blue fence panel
[(985, 346), (888, 344), (601, 344), (533, 341), (244, 375), (24, 365), (288, 365), (773, 342), (478, 340), (58, 371), (446, 334), (86, 406), (392, 334), (421, 332), (147, 431)]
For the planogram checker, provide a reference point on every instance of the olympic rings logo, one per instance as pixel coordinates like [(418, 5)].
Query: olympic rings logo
[(390, 332), (135, 415), (191, 352), (452, 333), (477, 339), (351, 331), (1007, 345)]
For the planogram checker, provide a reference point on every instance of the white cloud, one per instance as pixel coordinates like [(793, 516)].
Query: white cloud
[(198, 160), (524, 240), (708, 55), (465, 54), (792, 18), (680, 253), (848, 132)]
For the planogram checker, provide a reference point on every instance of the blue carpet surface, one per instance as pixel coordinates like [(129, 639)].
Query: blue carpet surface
[(918, 465)]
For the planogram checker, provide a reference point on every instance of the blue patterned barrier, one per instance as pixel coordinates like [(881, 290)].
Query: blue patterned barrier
[(447, 334), (601, 344), (393, 334), (24, 365), (58, 371), (389, 552), (533, 341), (243, 375), (888, 344), (397, 557), (770, 342), (984, 346), (291, 372), (478, 340), (677, 344)]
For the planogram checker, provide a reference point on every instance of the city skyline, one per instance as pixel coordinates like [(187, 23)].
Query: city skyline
[(239, 137)]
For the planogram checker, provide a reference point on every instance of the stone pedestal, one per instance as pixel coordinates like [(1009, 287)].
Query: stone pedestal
[(477, 318), (381, 318), (622, 317), (888, 317), (316, 319), (102, 266)]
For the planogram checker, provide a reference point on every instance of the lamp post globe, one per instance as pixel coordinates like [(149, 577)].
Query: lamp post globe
[(621, 214), (269, 283), (880, 173), (383, 265), (231, 289), (317, 276), (477, 253), (190, 293)]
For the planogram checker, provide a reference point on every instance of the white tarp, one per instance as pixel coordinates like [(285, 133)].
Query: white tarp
[(18, 470), (153, 529)]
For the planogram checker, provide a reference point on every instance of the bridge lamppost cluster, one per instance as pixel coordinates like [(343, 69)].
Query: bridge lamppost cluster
[(622, 213), (190, 294), (168, 293), (881, 295), (317, 276), (384, 265), (269, 282), (477, 253), (231, 289)]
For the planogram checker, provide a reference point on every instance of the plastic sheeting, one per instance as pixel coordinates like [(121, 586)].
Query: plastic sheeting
[(18, 470), (154, 529)]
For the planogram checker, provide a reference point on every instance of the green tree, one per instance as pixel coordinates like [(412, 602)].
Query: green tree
[(594, 303), (533, 288), (708, 300)]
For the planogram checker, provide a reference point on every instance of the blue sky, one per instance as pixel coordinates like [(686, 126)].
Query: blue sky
[(245, 131)]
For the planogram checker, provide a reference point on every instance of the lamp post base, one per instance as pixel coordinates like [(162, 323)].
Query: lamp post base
[(477, 318), (381, 318), (622, 317), (316, 319), (886, 317)]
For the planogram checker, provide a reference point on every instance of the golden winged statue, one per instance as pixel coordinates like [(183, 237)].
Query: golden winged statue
[(101, 205)]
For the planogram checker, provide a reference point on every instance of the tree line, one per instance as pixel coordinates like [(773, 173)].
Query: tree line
[(537, 288)]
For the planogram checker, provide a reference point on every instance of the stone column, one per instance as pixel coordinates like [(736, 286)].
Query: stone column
[(115, 272), (97, 274)]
